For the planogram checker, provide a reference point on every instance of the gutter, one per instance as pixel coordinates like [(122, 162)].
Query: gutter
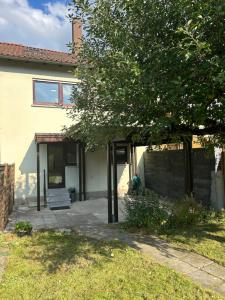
[(7, 57)]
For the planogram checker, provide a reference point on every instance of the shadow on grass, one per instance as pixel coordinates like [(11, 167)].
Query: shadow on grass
[(214, 232), (200, 232), (56, 250)]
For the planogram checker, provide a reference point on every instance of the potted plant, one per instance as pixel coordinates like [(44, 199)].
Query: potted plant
[(23, 228), (72, 192)]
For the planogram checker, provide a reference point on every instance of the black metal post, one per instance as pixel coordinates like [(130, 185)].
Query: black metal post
[(130, 166), (38, 179), (188, 166), (84, 171), (109, 182), (115, 192), (132, 160), (45, 199), (80, 170)]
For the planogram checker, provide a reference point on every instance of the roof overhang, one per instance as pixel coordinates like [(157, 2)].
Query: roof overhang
[(43, 138), (38, 61)]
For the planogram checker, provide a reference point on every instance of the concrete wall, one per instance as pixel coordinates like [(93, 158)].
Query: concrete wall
[(164, 173), (20, 120)]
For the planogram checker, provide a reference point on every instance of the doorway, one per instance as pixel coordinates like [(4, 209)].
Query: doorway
[(56, 166)]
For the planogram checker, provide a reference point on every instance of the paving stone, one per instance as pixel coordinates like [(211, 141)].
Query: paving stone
[(206, 279), (215, 270), (196, 260), (181, 253), (180, 266)]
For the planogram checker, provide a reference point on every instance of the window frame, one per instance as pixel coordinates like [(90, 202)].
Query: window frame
[(60, 102)]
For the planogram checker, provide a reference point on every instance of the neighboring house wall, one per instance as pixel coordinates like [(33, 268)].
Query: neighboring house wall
[(164, 173), (20, 120)]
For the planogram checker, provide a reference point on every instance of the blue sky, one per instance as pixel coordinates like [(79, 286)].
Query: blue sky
[(41, 3), (37, 23)]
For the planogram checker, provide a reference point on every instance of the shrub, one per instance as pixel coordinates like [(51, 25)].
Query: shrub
[(145, 211), (23, 227), (185, 212), (151, 211)]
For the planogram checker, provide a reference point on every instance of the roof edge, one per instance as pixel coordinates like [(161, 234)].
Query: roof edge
[(8, 57)]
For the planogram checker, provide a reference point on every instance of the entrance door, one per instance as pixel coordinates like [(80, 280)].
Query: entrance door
[(56, 166)]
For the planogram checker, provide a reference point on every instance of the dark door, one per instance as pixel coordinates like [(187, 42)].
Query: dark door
[(56, 166)]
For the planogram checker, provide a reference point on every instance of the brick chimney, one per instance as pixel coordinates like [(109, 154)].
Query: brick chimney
[(76, 34)]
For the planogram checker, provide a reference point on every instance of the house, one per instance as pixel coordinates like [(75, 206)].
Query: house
[(35, 92)]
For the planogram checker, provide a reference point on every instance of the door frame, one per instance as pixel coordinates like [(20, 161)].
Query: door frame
[(63, 184)]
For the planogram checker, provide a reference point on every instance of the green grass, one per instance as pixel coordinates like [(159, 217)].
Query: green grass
[(59, 266), (205, 239)]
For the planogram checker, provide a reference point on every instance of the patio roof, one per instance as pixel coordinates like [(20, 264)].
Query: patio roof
[(41, 138)]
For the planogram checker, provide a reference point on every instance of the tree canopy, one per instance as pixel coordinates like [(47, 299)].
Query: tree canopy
[(149, 67)]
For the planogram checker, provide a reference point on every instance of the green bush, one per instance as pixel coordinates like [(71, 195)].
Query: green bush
[(24, 227), (185, 212), (145, 211), (151, 211)]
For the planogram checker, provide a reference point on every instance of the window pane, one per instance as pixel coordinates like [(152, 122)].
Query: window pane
[(46, 92), (121, 155), (71, 154), (67, 93)]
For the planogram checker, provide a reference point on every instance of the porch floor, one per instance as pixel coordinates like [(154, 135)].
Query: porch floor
[(89, 212)]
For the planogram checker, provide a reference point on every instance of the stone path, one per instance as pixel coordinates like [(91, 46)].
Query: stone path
[(202, 270)]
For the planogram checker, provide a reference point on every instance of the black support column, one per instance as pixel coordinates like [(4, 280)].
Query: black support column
[(109, 182), (80, 170), (130, 164), (188, 165), (38, 179), (115, 192), (84, 172)]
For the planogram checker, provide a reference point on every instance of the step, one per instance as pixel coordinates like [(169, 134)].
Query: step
[(58, 204), (57, 192), (58, 198)]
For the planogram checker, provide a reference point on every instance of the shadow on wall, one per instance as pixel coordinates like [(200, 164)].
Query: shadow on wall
[(164, 173), (25, 183)]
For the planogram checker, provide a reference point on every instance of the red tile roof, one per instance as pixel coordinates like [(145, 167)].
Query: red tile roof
[(26, 53)]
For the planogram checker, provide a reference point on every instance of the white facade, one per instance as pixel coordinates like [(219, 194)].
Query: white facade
[(20, 119)]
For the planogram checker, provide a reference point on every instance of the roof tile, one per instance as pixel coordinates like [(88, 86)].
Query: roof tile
[(16, 51)]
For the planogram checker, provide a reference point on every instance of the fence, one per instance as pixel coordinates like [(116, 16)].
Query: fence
[(164, 173), (7, 177)]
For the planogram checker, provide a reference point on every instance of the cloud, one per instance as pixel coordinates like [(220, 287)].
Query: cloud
[(48, 28)]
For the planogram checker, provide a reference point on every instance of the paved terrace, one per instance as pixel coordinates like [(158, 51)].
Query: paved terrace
[(89, 212)]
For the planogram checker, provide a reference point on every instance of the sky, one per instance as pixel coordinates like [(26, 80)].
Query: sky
[(37, 23)]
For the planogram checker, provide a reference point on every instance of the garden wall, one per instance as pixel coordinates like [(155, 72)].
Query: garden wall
[(6, 193), (164, 173)]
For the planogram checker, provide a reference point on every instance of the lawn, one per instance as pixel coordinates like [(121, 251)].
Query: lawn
[(205, 239), (60, 266)]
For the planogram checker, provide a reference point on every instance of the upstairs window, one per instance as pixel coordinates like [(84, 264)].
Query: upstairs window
[(52, 93), (67, 93), (46, 92)]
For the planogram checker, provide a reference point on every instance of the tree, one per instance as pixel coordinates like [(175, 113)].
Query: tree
[(153, 68)]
